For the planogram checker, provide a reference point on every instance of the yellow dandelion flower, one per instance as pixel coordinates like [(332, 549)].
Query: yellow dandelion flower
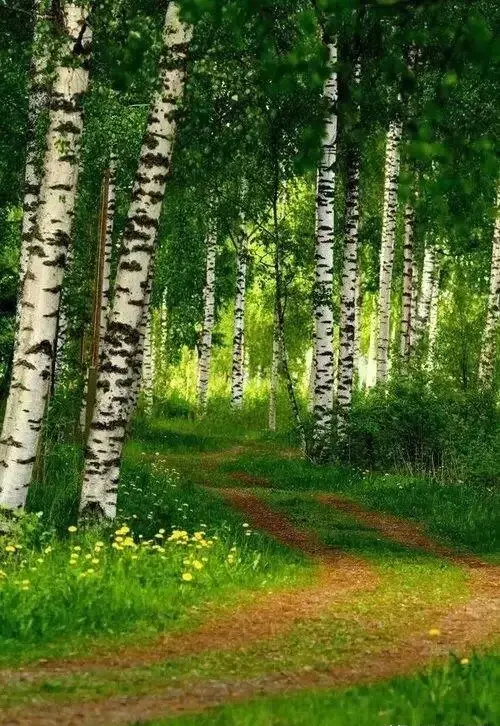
[(464, 661), (25, 587), (94, 561), (25, 582), (187, 576), (48, 550), (116, 546), (197, 565), (88, 557), (40, 560), (10, 548), (77, 548), (128, 542), (99, 544), (434, 632), (135, 557), (90, 571), (119, 538), (72, 528)]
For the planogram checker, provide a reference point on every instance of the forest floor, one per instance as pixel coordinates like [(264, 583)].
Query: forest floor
[(382, 597)]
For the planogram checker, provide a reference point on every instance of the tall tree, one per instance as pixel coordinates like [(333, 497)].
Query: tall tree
[(429, 272), (488, 350), (391, 176), (323, 289), (108, 429), (32, 369), (208, 319), (350, 277), (238, 362), (407, 306)]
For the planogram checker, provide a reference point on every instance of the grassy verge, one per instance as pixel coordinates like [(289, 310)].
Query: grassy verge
[(462, 694)]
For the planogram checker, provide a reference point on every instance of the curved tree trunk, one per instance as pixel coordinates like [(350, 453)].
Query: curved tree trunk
[(408, 282), (488, 350), (41, 294), (323, 290), (237, 370), (392, 160), (109, 425), (208, 321)]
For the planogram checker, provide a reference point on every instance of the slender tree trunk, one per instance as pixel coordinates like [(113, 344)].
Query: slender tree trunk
[(357, 330), (109, 425), (433, 320), (371, 363), (323, 291), (101, 303), (408, 283), (415, 288), (147, 373), (275, 365), (425, 298), (392, 161), (488, 350), (237, 373), (349, 287), (208, 321), (47, 258)]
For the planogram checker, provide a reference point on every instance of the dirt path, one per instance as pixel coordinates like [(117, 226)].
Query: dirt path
[(337, 577), (462, 629)]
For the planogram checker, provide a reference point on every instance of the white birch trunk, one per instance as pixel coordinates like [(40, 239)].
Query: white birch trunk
[(108, 251), (208, 321), (323, 291), (237, 370), (433, 320), (408, 283), (34, 357), (429, 272), (350, 286), (371, 363), (108, 429), (488, 350), (392, 162), (38, 103), (415, 287), (63, 321)]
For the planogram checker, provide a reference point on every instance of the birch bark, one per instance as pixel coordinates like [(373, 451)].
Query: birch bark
[(208, 321), (425, 298), (275, 362), (408, 282), (108, 429), (348, 302), (47, 252), (392, 162), (323, 291), (488, 350), (37, 104), (237, 370)]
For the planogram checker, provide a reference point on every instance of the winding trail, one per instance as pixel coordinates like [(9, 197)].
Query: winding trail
[(338, 576)]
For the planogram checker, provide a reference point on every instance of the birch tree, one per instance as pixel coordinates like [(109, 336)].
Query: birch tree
[(37, 104), (208, 320), (488, 350), (392, 162), (407, 307), (237, 369), (429, 272), (350, 280), (109, 425), (275, 365), (323, 257), (47, 252)]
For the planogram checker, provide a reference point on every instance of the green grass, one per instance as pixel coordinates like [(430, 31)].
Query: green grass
[(449, 695), (51, 607), (464, 515)]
